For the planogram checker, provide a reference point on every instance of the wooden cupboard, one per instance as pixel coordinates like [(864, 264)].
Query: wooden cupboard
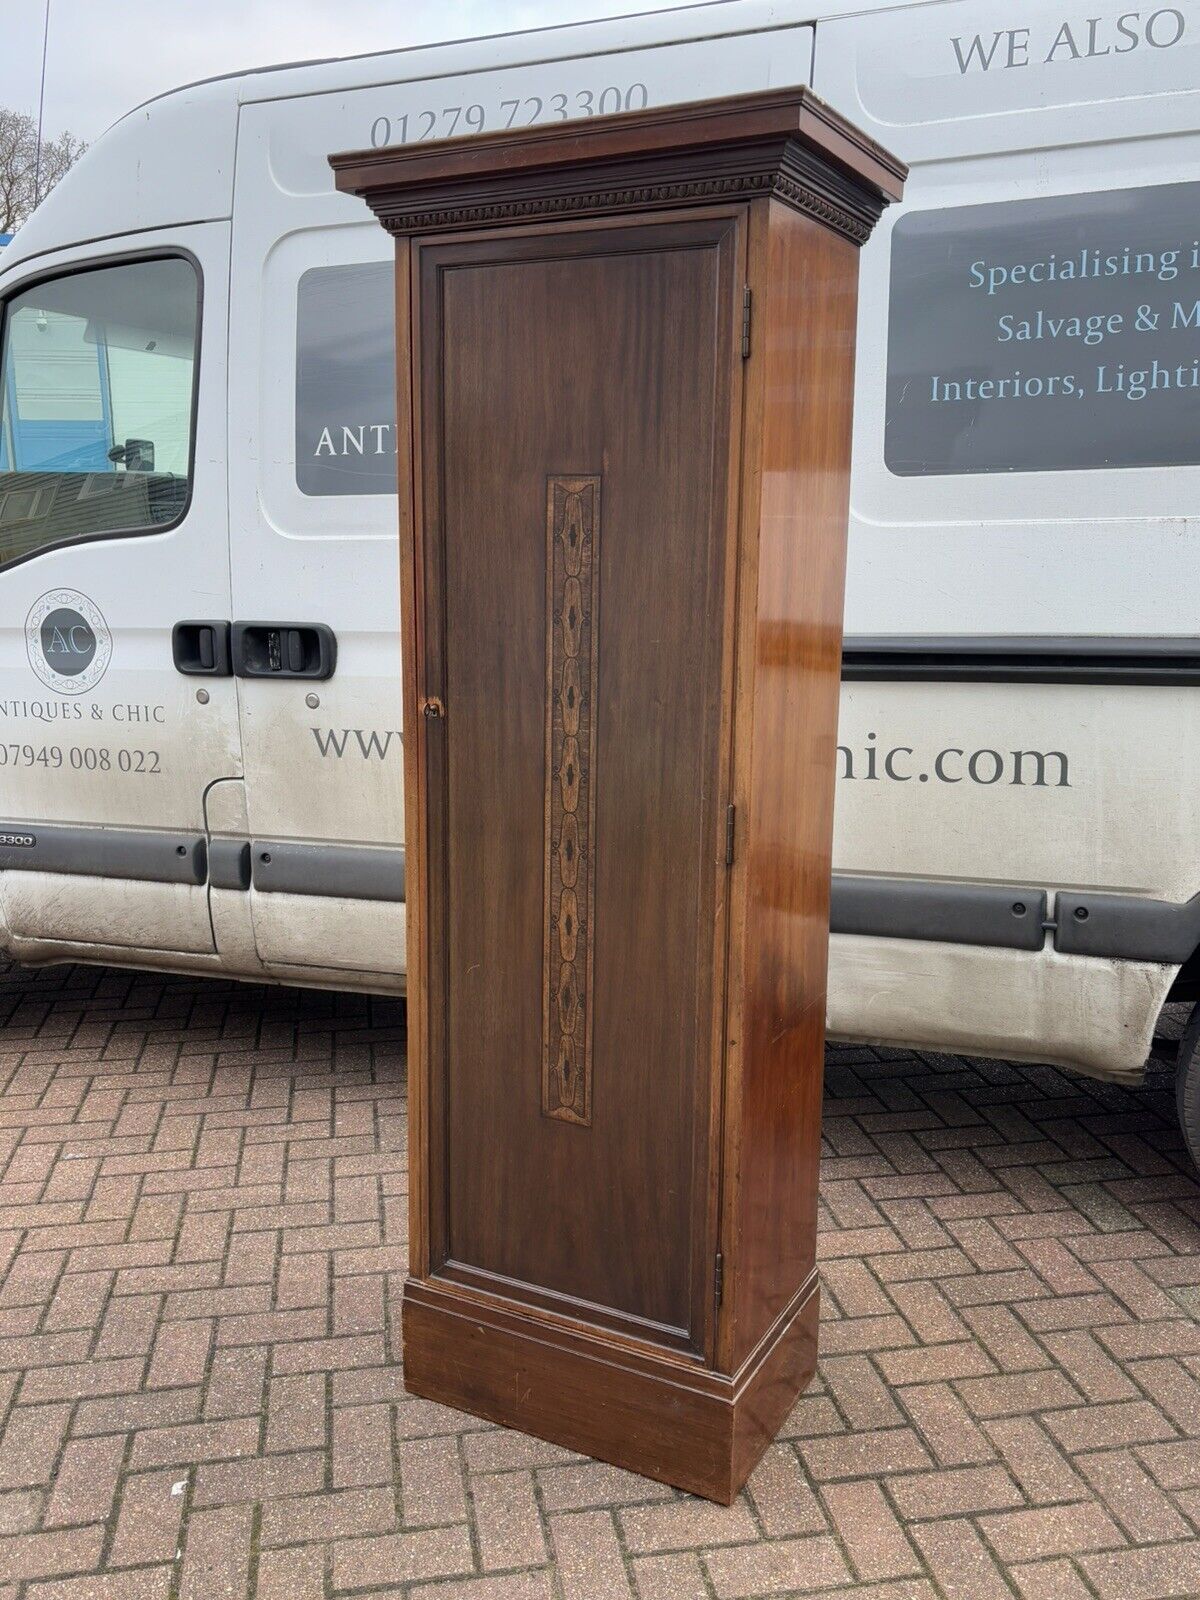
[(625, 355)]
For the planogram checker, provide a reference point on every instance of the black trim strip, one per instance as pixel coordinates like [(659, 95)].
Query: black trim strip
[(352, 872), (1126, 927), (952, 658), (229, 864), (148, 857), (949, 913)]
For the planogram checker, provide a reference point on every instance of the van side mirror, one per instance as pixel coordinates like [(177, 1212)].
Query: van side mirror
[(136, 455)]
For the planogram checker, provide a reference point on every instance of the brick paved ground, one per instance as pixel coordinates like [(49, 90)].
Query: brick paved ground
[(201, 1252)]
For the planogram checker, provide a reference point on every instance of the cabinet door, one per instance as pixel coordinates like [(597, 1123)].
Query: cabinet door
[(575, 409)]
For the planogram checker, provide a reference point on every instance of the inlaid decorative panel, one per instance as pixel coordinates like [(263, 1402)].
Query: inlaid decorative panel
[(572, 593)]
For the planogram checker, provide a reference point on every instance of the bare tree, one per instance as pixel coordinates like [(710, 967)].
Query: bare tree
[(22, 185)]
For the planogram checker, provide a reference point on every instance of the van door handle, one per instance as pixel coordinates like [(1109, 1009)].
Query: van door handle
[(201, 649), (283, 650)]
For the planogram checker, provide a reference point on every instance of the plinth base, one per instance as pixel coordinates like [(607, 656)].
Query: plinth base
[(658, 1414)]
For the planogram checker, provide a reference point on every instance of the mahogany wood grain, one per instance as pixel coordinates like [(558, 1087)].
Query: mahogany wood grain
[(639, 1408), (614, 353), (623, 545), (796, 502)]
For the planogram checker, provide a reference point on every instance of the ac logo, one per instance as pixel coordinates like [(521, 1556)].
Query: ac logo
[(67, 641)]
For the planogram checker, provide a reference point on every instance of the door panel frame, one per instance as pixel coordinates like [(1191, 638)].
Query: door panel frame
[(420, 264)]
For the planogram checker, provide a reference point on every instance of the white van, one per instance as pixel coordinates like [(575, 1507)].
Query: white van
[(200, 740)]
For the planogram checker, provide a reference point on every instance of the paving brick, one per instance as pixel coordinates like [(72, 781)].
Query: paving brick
[(960, 1561), (79, 1301), (857, 1455), (30, 1444), (129, 1326), (296, 1417), (926, 1309), (781, 1494), (296, 1574), (236, 1381), (861, 1395), (57, 1553), (1174, 1466), (1148, 1574), (362, 1446), (200, 1441), (85, 1482), (685, 1523), (126, 1413), (777, 1567), (1050, 1580), (962, 1491), (217, 1555), (1144, 1340), (486, 1450), (1097, 1427), (20, 1510), (578, 1486), (855, 1288), (1173, 1389), (337, 1515), (1090, 1368), (148, 1527), (507, 1520), (400, 1557), (1012, 1394), (676, 1577), (1031, 1456), (180, 1354), (588, 1557), (432, 1489), (870, 1531), (1051, 1531), (75, 1382), (303, 1282), (326, 1355)]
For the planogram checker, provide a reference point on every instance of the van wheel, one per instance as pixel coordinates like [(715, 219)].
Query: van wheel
[(1187, 1086)]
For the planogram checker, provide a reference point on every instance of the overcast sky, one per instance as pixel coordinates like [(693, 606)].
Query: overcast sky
[(106, 56)]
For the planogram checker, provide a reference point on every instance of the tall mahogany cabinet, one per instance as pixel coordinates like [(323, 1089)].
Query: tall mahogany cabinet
[(625, 358)]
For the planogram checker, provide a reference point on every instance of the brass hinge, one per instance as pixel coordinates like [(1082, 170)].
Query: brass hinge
[(730, 822), (719, 1278), (745, 322)]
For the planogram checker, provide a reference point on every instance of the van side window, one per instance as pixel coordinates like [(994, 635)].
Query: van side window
[(96, 383), (346, 380)]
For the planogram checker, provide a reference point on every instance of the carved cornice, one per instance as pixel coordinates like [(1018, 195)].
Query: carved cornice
[(784, 143), (794, 178)]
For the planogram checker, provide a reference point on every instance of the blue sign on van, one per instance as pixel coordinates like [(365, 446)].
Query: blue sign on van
[(1046, 335), (346, 381)]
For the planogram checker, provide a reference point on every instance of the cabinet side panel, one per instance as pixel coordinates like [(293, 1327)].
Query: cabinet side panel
[(803, 334), (411, 646)]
